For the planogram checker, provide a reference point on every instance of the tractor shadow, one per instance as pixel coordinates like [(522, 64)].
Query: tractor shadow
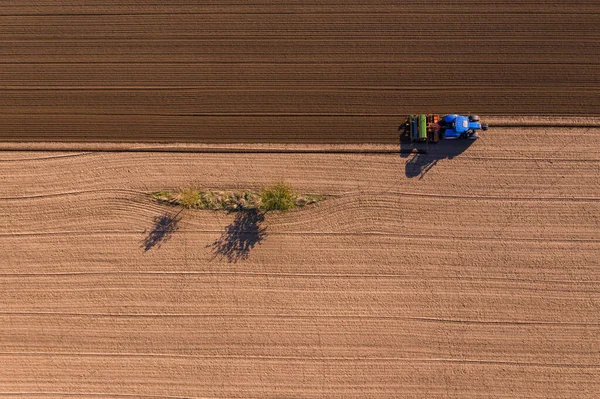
[(424, 156), (240, 237), (163, 228)]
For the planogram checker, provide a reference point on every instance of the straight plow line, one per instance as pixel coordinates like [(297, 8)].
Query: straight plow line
[(389, 13), (304, 115), (299, 275), (102, 395), (468, 197), (250, 151), (482, 197), (304, 358), (313, 233), (403, 40), (281, 87)]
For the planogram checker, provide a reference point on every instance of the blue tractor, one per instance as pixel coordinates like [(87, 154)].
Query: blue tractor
[(431, 128)]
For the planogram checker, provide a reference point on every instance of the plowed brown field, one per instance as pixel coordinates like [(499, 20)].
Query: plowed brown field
[(472, 271), (280, 71), (481, 279)]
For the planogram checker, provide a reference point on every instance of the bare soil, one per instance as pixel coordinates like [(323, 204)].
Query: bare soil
[(478, 278), (471, 271), (286, 71)]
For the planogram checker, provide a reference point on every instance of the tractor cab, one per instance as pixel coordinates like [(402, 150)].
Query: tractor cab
[(455, 126), (461, 124)]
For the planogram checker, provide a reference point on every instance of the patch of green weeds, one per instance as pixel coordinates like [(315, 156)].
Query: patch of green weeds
[(279, 197)]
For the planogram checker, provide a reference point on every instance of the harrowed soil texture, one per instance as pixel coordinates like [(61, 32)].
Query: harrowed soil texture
[(286, 71), (468, 271), (481, 265)]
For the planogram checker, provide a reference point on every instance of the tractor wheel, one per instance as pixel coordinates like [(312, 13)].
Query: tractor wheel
[(474, 118)]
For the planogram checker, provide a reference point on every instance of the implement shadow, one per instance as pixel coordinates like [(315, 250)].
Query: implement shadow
[(163, 228), (424, 156), (240, 237)]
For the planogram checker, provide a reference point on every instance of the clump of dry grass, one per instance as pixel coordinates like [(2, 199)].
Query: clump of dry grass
[(278, 197), (189, 197)]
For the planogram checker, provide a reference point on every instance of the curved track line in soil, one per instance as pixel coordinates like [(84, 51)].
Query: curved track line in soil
[(291, 151), (300, 316), (46, 158), (108, 150), (305, 275), (550, 158), (76, 193)]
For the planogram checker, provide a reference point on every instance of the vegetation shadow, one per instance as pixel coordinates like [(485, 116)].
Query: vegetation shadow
[(163, 228), (241, 236), (424, 156)]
